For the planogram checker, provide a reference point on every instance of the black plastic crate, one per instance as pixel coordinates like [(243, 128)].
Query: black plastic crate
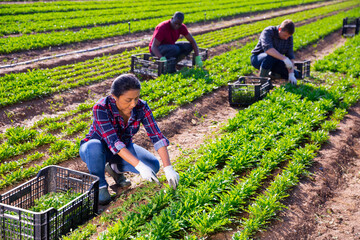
[(19, 223), (350, 27), (247, 90), (189, 60), (303, 67), (146, 64)]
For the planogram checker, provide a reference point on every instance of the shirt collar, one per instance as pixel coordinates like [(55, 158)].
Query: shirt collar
[(277, 30)]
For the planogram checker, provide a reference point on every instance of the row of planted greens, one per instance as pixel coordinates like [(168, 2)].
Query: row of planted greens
[(38, 83), (51, 21), (344, 59), (42, 40)]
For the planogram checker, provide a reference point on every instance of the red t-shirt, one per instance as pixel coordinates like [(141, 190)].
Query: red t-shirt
[(165, 34)]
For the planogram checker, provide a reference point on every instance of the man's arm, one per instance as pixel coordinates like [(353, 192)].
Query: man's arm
[(155, 48), (274, 53), (190, 38)]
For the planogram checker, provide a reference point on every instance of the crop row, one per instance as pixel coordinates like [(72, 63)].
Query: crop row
[(61, 21), (71, 6), (344, 59), (42, 40), (42, 82)]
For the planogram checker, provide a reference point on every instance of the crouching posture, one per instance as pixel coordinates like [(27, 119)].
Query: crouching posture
[(108, 145), (274, 54), (163, 42)]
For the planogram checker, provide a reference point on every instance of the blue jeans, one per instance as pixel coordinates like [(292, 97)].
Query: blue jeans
[(178, 50), (95, 154), (266, 61)]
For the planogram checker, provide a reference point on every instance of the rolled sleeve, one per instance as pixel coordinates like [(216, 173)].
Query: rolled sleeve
[(161, 143), (117, 147)]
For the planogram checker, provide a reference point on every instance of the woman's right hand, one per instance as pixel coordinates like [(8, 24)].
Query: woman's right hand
[(146, 172), (172, 176)]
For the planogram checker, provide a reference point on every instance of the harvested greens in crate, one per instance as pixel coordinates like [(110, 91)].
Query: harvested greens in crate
[(19, 207), (247, 90)]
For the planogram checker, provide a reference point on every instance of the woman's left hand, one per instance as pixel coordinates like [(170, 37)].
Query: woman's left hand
[(172, 176)]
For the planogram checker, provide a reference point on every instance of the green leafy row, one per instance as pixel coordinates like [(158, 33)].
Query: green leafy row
[(42, 40), (344, 59), (266, 205), (59, 21)]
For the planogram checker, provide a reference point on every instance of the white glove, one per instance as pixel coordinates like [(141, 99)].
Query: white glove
[(288, 63), (172, 176), (146, 172), (292, 78)]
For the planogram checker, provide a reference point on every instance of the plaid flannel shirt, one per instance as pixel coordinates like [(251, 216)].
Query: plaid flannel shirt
[(109, 126), (269, 38)]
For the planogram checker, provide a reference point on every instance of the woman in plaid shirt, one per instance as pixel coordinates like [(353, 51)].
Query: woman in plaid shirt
[(108, 145)]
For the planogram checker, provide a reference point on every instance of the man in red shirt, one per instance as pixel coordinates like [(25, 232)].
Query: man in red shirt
[(163, 43)]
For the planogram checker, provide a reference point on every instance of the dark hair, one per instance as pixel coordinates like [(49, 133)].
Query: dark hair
[(179, 16), (288, 26), (123, 83)]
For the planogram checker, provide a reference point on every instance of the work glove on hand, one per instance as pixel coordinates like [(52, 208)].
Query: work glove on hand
[(198, 61), (288, 63), (163, 59), (172, 176), (146, 172), (292, 78)]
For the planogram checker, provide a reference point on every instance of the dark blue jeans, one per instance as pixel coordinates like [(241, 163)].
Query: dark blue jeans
[(178, 50), (96, 153), (266, 61)]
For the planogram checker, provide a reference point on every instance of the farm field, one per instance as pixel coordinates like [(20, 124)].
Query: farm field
[(287, 167)]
